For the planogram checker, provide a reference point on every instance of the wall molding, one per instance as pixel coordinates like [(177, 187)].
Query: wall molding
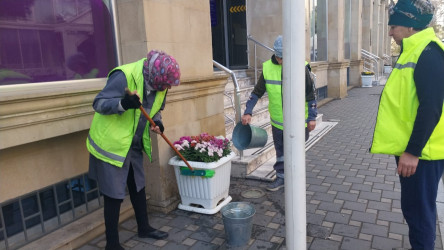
[(35, 112)]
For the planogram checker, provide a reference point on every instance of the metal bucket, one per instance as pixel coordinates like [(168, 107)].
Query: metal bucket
[(248, 136), (238, 222)]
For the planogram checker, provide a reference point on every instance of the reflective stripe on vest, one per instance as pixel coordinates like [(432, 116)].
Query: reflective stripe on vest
[(407, 65), (399, 103), (110, 136), (105, 153)]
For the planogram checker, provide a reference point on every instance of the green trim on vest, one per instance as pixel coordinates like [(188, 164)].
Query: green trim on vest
[(273, 83), (399, 103), (110, 136)]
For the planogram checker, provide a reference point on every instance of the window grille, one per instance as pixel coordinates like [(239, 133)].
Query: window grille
[(36, 214)]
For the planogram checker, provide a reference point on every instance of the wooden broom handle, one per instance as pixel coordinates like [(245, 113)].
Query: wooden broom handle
[(165, 138)]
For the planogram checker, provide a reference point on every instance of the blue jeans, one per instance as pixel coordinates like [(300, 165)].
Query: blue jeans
[(278, 140), (418, 202)]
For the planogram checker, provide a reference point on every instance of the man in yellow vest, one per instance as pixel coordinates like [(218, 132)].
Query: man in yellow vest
[(270, 81), (410, 122), (119, 134)]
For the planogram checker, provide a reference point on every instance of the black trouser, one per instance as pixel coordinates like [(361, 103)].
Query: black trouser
[(112, 210), (278, 139)]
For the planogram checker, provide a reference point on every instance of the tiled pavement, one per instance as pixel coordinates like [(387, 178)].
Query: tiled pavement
[(352, 196)]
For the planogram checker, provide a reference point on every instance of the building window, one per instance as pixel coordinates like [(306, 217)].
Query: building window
[(55, 40), (321, 93), (319, 28), (33, 215)]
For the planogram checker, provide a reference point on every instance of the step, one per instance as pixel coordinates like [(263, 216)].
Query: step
[(261, 104), (266, 172), (244, 94), (241, 75), (252, 159)]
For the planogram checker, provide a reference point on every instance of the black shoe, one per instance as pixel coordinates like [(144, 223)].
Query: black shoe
[(114, 247), (277, 184), (156, 234)]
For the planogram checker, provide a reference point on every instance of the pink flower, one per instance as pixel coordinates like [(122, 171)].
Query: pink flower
[(203, 147)]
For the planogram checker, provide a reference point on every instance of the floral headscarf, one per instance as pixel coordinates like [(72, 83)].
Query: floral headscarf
[(160, 70)]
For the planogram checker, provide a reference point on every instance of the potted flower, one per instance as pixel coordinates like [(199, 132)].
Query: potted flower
[(367, 73), (387, 68), (208, 192), (367, 78)]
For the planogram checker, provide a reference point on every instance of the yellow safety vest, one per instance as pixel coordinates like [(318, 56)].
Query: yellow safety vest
[(399, 104), (110, 136), (273, 83)]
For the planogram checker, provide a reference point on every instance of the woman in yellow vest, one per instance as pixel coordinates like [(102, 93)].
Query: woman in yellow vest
[(119, 134), (270, 81), (410, 123)]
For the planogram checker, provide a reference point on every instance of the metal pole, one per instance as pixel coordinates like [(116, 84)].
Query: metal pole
[(116, 31), (294, 122)]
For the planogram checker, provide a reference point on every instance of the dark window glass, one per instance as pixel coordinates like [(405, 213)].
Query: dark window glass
[(31, 211), (322, 93), (13, 220), (48, 203), (54, 40), (63, 197)]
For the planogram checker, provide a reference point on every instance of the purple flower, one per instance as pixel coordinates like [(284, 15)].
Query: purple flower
[(203, 147)]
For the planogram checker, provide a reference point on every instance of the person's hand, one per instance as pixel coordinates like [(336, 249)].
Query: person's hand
[(159, 125), (156, 129), (131, 100), (246, 119), (311, 125), (407, 164)]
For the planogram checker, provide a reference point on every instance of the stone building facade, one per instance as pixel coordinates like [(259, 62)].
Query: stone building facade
[(44, 124)]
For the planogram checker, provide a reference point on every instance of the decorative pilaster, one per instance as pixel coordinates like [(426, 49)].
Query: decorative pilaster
[(375, 28), (356, 43), (337, 69), (367, 20)]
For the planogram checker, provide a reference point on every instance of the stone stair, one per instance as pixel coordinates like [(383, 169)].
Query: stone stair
[(251, 159)]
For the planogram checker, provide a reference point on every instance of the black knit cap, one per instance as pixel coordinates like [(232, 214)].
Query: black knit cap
[(411, 13)]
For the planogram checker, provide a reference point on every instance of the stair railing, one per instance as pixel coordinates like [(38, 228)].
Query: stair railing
[(256, 43), (371, 61), (237, 106), (230, 97)]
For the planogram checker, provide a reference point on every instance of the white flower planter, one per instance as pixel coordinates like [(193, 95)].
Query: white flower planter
[(202, 194), (367, 80), (387, 69)]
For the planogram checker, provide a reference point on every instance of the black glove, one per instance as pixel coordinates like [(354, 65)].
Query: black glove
[(160, 125), (130, 102)]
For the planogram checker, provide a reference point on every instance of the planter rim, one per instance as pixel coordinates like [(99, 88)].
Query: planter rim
[(176, 161)]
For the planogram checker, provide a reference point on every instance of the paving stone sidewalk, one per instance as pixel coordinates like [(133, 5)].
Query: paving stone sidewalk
[(353, 197)]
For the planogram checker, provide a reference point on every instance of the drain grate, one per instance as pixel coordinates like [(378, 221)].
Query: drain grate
[(253, 193)]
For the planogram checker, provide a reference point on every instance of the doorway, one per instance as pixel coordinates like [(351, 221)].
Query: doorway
[(229, 33)]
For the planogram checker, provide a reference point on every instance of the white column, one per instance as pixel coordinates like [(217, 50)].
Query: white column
[(294, 122), (375, 28), (367, 19)]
